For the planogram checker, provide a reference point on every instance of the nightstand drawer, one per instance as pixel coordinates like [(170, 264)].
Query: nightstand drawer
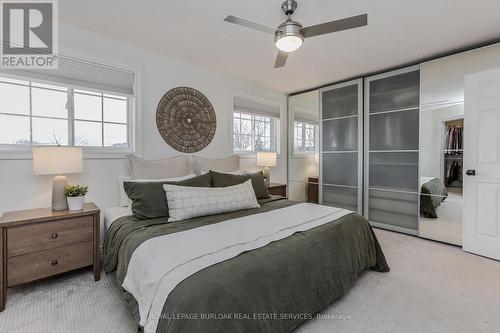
[(48, 235), (33, 266)]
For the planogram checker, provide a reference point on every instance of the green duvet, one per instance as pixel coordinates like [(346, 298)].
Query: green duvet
[(271, 289)]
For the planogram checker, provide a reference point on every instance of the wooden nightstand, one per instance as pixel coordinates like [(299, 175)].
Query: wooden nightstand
[(277, 189), (39, 243)]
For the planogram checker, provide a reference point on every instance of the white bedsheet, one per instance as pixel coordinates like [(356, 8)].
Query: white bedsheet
[(112, 214), (424, 180), (158, 265)]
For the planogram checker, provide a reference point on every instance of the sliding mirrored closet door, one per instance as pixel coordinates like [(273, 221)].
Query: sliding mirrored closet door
[(341, 129), (441, 172), (392, 150), (303, 147)]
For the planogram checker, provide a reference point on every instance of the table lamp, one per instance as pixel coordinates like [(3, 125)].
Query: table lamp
[(57, 161), (266, 160)]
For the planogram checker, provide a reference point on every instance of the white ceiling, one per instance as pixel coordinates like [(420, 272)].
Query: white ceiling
[(398, 32)]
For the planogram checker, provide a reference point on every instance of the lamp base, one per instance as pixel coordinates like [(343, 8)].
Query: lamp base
[(267, 175), (59, 201)]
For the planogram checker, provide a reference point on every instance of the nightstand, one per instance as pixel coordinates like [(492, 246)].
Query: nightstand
[(39, 243), (277, 189)]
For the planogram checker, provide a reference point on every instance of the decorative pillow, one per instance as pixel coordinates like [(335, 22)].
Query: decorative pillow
[(220, 179), (159, 169), (231, 163), (187, 202), (148, 199), (237, 172), (125, 200)]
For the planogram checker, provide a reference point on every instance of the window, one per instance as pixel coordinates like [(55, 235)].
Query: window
[(304, 137), (33, 113), (255, 126), (253, 132)]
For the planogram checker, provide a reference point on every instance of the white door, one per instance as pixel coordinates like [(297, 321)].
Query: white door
[(481, 225)]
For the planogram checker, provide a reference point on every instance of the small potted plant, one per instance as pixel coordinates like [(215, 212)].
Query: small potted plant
[(76, 196)]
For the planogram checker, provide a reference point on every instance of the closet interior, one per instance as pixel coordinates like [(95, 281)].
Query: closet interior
[(453, 150)]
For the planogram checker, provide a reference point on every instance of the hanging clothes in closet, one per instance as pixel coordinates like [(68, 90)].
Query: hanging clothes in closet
[(454, 140), (454, 169)]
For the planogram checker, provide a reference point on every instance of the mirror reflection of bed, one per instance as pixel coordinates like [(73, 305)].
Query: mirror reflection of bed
[(440, 215), (441, 196)]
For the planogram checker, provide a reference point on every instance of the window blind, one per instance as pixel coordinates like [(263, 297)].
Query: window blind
[(246, 106), (82, 73)]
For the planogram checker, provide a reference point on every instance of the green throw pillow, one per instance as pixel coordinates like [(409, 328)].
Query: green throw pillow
[(225, 179), (149, 200)]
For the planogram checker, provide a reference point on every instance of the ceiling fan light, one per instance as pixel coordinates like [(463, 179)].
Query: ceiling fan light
[(289, 43)]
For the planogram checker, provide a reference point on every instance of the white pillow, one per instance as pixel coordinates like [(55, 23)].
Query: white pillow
[(125, 200), (159, 169), (185, 202), (231, 163)]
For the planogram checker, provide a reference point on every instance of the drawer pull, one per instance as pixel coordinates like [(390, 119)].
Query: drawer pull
[(54, 236), (54, 262)]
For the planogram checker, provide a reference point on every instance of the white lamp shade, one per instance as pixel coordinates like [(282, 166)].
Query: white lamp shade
[(57, 160), (266, 159)]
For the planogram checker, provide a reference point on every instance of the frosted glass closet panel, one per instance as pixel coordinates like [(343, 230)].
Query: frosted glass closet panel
[(396, 92), (394, 130), (340, 134), (341, 145), (392, 150), (343, 197), (394, 170)]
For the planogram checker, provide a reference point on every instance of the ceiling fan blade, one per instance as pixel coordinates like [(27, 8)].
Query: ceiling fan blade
[(250, 24), (281, 59), (334, 26)]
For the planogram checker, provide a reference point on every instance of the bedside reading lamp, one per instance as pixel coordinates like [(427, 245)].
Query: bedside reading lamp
[(57, 161), (266, 160)]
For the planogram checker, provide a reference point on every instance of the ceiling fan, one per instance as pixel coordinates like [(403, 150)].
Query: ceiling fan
[(289, 35)]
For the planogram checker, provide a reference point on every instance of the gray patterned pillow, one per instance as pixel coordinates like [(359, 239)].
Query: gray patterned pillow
[(187, 202)]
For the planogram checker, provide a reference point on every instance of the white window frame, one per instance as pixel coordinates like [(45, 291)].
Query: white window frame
[(303, 138), (20, 151), (274, 130)]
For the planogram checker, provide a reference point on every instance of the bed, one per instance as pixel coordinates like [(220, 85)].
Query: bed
[(273, 267), (433, 192)]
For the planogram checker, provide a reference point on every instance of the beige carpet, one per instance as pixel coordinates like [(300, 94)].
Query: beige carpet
[(432, 287), (447, 227)]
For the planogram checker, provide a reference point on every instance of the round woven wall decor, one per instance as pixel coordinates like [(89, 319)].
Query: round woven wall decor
[(186, 119)]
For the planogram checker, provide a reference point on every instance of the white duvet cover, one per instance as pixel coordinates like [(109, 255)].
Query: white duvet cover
[(158, 265)]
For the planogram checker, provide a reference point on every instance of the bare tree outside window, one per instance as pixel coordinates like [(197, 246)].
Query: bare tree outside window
[(252, 132), (33, 113), (305, 137)]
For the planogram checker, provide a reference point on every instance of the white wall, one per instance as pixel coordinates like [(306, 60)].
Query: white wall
[(20, 189)]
